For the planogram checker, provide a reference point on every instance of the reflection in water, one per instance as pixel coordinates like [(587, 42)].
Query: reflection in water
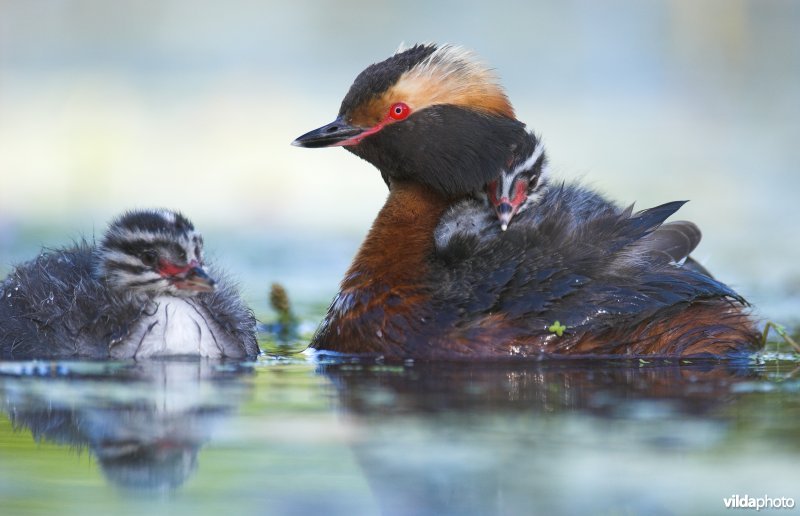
[(549, 438), (303, 437), (144, 422), (591, 386)]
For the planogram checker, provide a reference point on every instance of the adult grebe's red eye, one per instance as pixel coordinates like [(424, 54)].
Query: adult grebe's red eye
[(399, 110)]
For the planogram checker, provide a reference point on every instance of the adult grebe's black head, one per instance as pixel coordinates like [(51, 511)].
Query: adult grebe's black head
[(153, 252), (429, 114)]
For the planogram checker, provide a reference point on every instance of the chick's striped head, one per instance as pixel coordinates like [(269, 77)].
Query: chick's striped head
[(519, 184), (153, 252)]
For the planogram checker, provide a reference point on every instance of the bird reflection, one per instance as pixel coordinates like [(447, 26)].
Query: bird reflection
[(144, 422), (507, 438), (691, 386)]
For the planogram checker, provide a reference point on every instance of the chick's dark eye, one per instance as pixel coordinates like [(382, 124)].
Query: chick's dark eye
[(399, 110), (149, 257), (182, 254)]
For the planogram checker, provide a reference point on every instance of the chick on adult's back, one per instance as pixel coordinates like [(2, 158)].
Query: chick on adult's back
[(437, 277)]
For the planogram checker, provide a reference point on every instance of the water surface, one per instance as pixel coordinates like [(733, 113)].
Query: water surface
[(109, 106), (303, 436)]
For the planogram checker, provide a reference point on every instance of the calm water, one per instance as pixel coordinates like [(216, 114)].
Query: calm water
[(190, 105), (302, 436), (299, 435)]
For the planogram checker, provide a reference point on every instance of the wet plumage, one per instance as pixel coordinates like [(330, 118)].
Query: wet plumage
[(438, 278), (142, 291)]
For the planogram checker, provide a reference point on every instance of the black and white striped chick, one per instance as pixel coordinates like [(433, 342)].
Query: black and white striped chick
[(143, 292), (523, 185), (522, 191), (517, 187)]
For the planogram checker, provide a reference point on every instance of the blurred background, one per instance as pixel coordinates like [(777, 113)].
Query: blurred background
[(191, 105)]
